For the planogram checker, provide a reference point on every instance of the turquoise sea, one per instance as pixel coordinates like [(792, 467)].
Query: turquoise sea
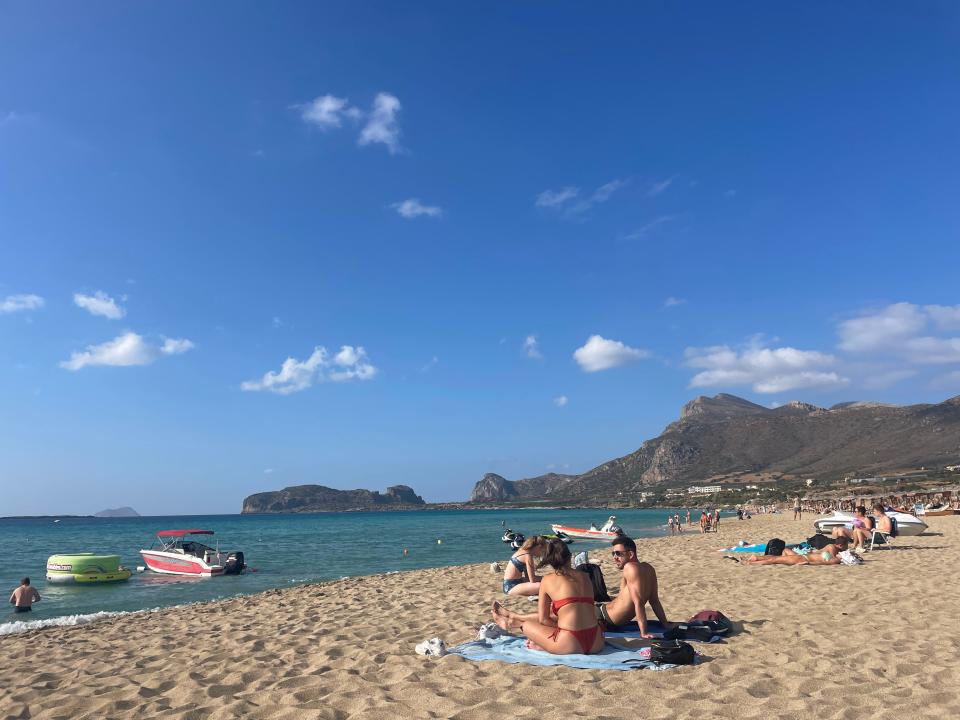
[(280, 550)]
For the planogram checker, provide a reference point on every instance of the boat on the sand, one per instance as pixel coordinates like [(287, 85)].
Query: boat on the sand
[(608, 531), (176, 552), (906, 524)]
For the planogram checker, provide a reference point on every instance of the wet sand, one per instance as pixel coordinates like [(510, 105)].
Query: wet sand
[(877, 640)]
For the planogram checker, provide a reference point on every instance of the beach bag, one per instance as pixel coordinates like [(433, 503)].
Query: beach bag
[(819, 542), (672, 652), (849, 557), (894, 530), (600, 593), (719, 623), (690, 631), (775, 547)]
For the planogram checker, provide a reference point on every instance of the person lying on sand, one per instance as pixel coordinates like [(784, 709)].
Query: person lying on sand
[(827, 556), (565, 621), (638, 586)]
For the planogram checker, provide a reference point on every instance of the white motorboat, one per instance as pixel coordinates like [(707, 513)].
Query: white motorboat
[(906, 524), (177, 553), (608, 531)]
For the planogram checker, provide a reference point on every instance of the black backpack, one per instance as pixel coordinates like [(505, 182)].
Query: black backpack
[(819, 542), (691, 631), (672, 652), (775, 547), (596, 579)]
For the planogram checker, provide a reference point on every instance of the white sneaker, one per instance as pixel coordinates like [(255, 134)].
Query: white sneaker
[(490, 631), (433, 646)]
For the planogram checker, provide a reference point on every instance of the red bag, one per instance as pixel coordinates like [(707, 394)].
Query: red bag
[(708, 615)]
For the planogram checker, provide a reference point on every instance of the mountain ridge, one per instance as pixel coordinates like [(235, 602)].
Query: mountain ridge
[(726, 435)]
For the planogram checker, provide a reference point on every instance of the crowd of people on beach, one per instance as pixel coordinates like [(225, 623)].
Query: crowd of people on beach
[(709, 521), (569, 619)]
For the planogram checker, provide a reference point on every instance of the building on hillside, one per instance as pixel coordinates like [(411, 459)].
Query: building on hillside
[(703, 489)]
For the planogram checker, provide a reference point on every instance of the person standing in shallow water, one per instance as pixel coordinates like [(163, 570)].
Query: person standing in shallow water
[(24, 596)]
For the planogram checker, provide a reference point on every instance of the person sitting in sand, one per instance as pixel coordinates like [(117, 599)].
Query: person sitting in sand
[(24, 596), (520, 576), (826, 556), (565, 622), (861, 531), (638, 586)]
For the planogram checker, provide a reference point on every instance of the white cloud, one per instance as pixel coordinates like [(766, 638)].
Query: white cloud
[(413, 208), (175, 346), (324, 112), (767, 370), (556, 198), (933, 350), (882, 330), (382, 124), (603, 193), (904, 329), (559, 198), (350, 363), (945, 317), (561, 401), (99, 304), (531, 347), (19, 303), (268, 471), (276, 322), (598, 353), (644, 229), (658, 187), (430, 364), (673, 302), (125, 350)]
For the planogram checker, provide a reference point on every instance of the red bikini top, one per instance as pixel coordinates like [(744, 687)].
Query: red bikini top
[(557, 604)]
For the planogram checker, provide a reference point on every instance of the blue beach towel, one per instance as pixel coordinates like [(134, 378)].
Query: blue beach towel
[(511, 649)]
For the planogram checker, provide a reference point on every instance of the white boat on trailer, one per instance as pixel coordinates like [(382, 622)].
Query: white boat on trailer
[(176, 552), (608, 531), (906, 524)]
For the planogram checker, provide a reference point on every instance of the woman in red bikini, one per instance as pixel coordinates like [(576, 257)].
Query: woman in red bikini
[(565, 621)]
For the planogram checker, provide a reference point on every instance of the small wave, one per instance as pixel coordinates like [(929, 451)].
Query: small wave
[(19, 626)]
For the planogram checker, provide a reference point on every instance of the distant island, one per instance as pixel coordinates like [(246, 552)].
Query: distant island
[(117, 513), (319, 498)]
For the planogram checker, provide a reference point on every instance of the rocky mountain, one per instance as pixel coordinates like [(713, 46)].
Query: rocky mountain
[(317, 498), (726, 435), (494, 488), (117, 512)]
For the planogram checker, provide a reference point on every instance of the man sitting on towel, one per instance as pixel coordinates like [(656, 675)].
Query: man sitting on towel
[(638, 586)]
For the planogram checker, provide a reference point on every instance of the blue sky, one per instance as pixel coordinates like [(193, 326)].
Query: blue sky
[(244, 246)]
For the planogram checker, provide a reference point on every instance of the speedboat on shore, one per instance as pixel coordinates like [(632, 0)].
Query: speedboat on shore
[(176, 553), (906, 524), (608, 531)]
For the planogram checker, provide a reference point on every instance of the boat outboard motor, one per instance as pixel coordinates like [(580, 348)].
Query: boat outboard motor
[(508, 536), (517, 541), (616, 529), (235, 564)]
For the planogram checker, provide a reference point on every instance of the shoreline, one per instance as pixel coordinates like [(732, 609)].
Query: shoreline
[(344, 648)]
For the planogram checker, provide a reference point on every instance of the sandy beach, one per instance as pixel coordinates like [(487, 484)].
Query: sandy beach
[(832, 642)]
